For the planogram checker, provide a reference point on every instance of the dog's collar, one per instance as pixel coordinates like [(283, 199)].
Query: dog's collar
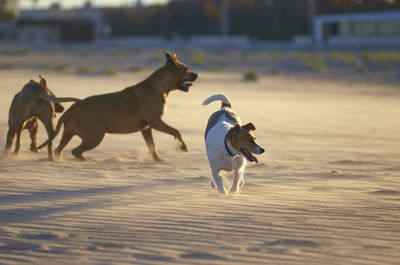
[(227, 148)]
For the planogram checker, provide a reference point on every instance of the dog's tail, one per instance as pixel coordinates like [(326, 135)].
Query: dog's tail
[(57, 100), (56, 131), (225, 102)]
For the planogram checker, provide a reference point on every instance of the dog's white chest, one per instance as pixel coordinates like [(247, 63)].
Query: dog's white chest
[(218, 156), (231, 163)]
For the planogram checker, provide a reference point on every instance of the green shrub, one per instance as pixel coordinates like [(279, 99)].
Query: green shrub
[(274, 71), (198, 58), (366, 56), (43, 66), (216, 70), (83, 70), (8, 66), (89, 52), (134, 69), (15, 51), (62, 67), (118, 54), (361, 68), (108, 71), (316, 62), (251, 76), (138, 51), (343, 57), (382, 59)]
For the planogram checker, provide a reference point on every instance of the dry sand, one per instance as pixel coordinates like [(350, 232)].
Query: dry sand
[(325, 192)]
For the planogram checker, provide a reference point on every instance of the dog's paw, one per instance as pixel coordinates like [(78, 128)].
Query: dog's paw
[(157, 159), (34, 149), (184, 147), (234, 189), (241, 183), (57, 155), (223, 192)]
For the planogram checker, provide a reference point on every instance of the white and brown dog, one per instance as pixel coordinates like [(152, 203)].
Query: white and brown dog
[(228, 144)]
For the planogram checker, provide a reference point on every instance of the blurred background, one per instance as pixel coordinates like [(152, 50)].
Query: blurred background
[(283, 36)]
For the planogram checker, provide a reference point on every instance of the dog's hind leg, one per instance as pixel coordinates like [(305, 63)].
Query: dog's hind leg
[(18, 140), (66, 137), (212, 184), (89, 141), (10, 138), (148, 138), (32, 127), (218, 181)]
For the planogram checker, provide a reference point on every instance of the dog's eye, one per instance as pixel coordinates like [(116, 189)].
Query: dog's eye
[(251, 141)]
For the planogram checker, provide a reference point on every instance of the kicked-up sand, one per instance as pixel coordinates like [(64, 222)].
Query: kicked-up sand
[(326, 191)]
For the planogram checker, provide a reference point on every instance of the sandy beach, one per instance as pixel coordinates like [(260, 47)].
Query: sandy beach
[(326, 191)]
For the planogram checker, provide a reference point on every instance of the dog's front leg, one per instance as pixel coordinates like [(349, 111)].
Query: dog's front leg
[(163, 127), (148, 137), (241, 182), (237, 179), (218, 181), (48, 124)]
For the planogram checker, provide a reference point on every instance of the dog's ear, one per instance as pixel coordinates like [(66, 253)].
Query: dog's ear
[(43, 81), (171, 57), (58, 107), (234, 131), (249, 126)]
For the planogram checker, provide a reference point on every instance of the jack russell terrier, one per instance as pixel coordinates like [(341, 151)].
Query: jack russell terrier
[(228, 144)]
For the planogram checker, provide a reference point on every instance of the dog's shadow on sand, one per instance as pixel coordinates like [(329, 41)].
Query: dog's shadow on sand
[(59, 202)]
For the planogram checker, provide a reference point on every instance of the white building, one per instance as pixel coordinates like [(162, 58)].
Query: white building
[(366, 28), (48, 24)]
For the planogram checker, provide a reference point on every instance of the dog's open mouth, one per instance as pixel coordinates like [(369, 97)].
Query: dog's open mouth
[(187, 83), (248, 155), (185, 86)]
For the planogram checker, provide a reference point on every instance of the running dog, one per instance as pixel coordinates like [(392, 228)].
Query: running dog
[(34, 102), (136, 108), (228, 144)]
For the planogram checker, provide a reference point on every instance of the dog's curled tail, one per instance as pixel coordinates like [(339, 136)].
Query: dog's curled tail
[(225, 102), (56, 131)]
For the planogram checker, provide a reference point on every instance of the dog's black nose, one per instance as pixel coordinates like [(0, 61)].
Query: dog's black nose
[(195, 76), (262, 150)]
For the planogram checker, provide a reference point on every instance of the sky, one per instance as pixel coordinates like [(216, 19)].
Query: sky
[(26, 4)]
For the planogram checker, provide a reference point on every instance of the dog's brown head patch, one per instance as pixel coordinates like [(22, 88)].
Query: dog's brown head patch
[(181, 75), (243, 139)]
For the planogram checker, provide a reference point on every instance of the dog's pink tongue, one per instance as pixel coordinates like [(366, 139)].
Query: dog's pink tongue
[(255, 159)]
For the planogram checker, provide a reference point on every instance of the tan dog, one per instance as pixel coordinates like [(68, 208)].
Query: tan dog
[(136, 108), (35, 101)]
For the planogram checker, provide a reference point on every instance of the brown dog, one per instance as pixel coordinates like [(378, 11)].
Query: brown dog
[(136, 108), (35, 101)]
